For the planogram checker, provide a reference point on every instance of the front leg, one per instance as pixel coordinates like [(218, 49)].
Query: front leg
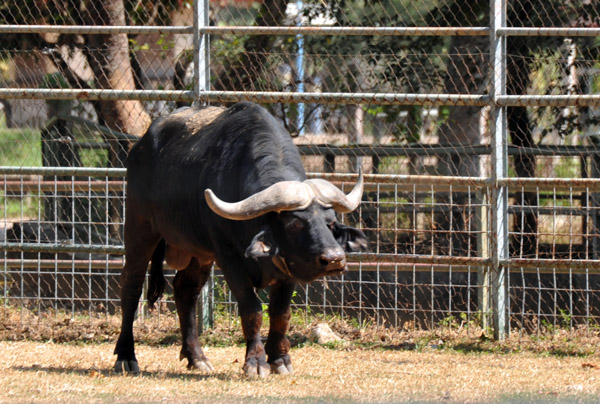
[(278, 346), (251, 314), (256, 360)]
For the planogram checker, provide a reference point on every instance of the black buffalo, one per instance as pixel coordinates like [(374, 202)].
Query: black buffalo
[(228, 186)]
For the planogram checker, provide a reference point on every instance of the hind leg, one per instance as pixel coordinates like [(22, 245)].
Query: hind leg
[(187, 287), (140, 243)]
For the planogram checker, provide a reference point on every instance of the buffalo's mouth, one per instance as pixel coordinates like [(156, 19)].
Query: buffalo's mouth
[(337, 272), (332, 272), (308, 275)]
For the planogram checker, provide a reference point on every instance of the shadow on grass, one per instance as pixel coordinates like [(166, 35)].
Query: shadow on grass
[(485, 347), (111, 373)]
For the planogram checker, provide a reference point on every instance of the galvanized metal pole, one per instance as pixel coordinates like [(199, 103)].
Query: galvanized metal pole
[(483, 249), (202, 84), (201, 50), (300, 68), (499, 203)]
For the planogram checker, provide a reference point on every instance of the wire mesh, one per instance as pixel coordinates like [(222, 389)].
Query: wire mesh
[(401, 89)]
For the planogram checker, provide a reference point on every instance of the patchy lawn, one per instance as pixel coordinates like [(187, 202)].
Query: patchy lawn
[(33, 371), (62, 357)]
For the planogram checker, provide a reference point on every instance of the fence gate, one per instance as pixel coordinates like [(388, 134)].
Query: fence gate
[(476, 123)]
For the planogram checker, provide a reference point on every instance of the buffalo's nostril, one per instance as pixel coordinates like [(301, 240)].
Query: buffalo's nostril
[(332, 260)]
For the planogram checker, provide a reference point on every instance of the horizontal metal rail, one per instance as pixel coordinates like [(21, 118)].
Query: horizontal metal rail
[(93, 29), (247, 30), (257, 96), (550, 265), (563, 184), (270, 97), (582, 100), (393, 150), (410, 184), (96, 94), (64, 171), (113, 264), (550, 211), (301, 30), (117, 265), (356, 261), (590, 184), (62, 248), (61, 186), (346, 31), (548, 31)]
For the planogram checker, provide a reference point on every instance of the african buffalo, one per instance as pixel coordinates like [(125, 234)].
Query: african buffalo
[(228, 186)]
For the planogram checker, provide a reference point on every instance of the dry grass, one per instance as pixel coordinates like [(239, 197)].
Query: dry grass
[(63, 359), (50, 372)]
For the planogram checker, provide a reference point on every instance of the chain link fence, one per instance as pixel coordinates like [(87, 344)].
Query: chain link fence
[(477, 123)]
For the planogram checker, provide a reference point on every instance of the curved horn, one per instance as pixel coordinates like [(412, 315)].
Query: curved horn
[(329, 195), (285, 195)]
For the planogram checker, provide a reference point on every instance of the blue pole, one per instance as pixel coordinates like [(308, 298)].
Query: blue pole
[(300, 69)]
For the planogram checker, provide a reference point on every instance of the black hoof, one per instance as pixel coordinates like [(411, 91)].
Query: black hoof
[(127, 367)]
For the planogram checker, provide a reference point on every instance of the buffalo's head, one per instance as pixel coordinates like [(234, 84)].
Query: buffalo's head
[(304, 238)]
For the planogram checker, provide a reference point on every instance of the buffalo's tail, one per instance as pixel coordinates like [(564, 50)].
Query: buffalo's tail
[(156, 285)]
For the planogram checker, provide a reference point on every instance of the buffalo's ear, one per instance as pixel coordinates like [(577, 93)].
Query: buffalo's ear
[(262, 245), (350, 238)]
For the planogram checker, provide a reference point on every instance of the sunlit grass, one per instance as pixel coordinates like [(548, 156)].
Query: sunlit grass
[(20, 147)]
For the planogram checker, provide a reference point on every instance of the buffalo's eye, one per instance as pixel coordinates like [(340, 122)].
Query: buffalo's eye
[(294, 225)]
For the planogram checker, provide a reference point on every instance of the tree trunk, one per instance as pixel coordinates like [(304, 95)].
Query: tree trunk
[(109, 59)]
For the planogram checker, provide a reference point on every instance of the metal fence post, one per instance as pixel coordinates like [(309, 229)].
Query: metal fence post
[(201, 50), (202, 83), (483, 273), (499, 202)]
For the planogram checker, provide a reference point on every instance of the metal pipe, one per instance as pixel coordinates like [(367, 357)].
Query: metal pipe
[(61, 186), (256, 96), (392, 150), (93, 29), (498, 127), (478, 100), (348, 31), (62, 248), (64, 171), (590, 184), (549, 31), (246, 30), (382, 262), (524, 100)]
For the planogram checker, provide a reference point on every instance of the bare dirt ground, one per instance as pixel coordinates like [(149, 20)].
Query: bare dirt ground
[(64, 359)]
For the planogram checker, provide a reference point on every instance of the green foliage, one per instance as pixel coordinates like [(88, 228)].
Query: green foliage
[(20, 147), (566, 318), (94, 157), (19, 206)]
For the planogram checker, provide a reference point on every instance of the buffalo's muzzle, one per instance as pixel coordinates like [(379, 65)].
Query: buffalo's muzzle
[(332, 259)]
